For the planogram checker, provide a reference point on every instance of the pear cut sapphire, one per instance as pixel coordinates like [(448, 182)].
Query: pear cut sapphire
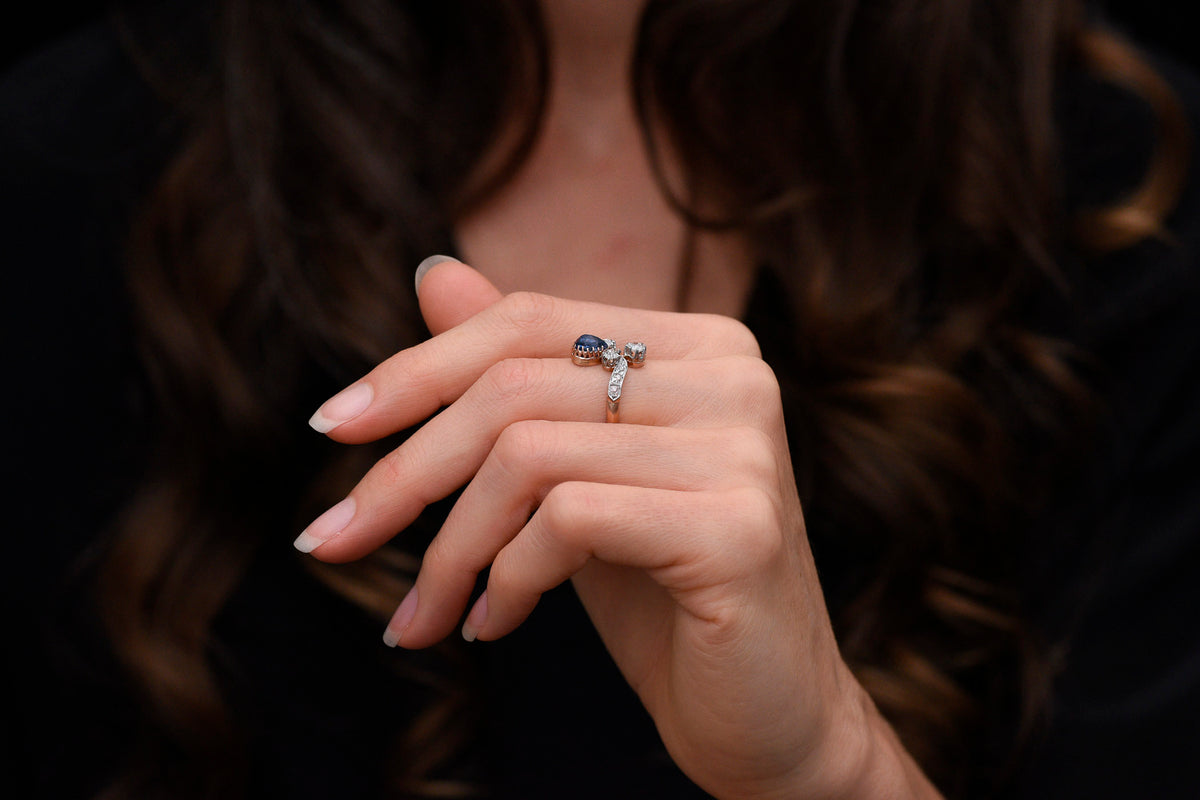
[(589, 342), (587, 349)]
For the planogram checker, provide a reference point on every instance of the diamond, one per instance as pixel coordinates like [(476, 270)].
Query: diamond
[(617, 379), (610, 358), (636, 353)]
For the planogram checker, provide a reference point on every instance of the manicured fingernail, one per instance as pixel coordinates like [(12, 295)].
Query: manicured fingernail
[(427, 265), (326, 526), (476, 618), (342, 407), (401, 619)]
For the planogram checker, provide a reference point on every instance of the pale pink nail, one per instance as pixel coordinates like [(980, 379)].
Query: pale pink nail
[(426, 265), (326, 526), (401, 619), (342, 407), (476, 619)]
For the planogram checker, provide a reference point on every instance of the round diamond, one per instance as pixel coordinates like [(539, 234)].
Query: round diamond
[(635, 352)]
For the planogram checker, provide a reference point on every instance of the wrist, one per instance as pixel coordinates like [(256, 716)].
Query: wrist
[(861, 757)]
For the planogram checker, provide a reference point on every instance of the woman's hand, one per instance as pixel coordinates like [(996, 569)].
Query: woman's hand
[(680, 528)]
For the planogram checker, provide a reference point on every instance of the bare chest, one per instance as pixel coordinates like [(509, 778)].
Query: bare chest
[(594, 226)]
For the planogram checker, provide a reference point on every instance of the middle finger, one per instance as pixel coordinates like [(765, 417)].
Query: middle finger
[(450, 448)]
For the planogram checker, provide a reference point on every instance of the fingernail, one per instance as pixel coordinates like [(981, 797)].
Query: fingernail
[(476, 618), (342, 407), (401, 619), (427, 265), (326, 526)]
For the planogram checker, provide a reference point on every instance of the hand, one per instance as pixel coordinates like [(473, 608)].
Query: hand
[(682, 531)]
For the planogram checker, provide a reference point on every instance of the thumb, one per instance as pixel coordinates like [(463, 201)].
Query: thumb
[(449, 292)]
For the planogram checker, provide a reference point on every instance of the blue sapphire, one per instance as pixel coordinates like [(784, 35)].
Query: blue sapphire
[(587, 342)]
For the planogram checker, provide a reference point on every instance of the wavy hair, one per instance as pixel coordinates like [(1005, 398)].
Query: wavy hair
[(906, 197)]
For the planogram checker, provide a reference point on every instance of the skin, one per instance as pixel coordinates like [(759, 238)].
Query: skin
[(584, 218), (680, 528)]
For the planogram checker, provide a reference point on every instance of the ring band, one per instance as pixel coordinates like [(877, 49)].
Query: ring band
[(589, 349)]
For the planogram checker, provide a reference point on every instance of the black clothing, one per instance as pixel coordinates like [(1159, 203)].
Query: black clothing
[(1115, 573)]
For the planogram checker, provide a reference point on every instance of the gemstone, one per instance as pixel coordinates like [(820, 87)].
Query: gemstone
[(587, 349), (636, 353), (617, 379), (610, 357), (589, 342)]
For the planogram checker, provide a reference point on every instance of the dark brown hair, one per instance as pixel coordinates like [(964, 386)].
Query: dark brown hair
[(895, 167)]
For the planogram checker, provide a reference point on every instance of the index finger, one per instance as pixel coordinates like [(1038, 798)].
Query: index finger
[(413, 384)]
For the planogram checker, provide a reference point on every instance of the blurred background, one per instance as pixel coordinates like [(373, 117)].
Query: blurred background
[(1155, 22)]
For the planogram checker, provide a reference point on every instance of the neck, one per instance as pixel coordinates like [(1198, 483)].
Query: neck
[(591, 45)]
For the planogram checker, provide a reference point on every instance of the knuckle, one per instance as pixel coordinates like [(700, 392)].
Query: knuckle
[(523, 444), (391, 470), (759, 536), (511, 379), (447, 563), (423, 379), (503, 576), (529, 311), (566, 508), (755, 379), (753, 451), (438, 555), (735, 337)]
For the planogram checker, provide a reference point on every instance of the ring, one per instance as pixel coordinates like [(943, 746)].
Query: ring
[(589, 349)]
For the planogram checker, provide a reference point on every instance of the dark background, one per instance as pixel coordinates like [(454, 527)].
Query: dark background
[(1156, 22)]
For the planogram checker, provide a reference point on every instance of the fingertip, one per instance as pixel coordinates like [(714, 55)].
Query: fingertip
[(346, 405), (401, 620), (451, 292), (326, 527), (476, 619), (428, 264)]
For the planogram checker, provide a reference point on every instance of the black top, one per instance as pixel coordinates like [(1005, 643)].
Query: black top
[(1114, 573)]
